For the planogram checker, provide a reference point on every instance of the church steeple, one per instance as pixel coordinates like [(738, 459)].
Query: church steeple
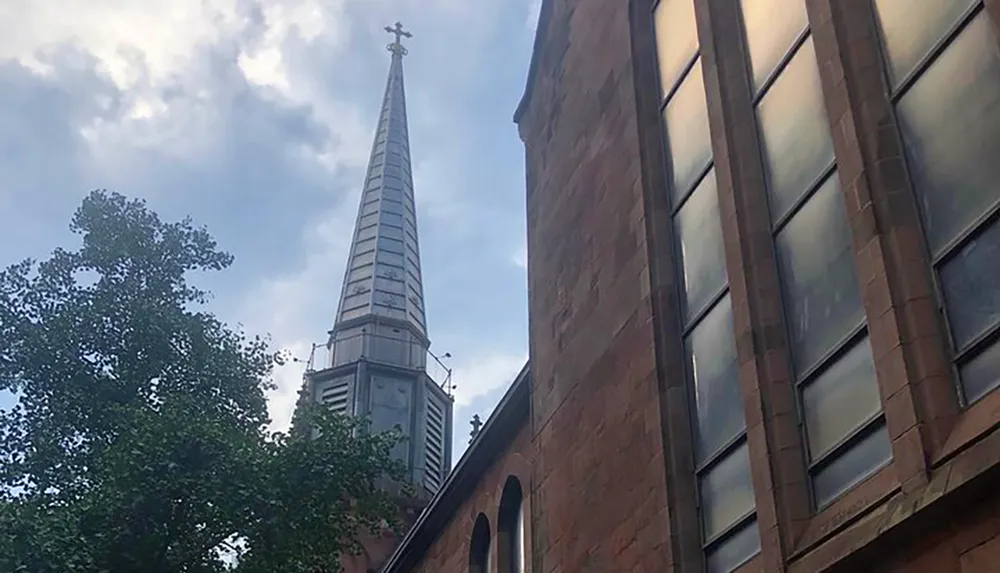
[(378, 346), (383, 278)]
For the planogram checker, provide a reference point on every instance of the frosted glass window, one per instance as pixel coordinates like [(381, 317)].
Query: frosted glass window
[(971, 284), (703, 258), (816, 264), (519, 542), (840, 400), (794, 132), (771, 27), (735, 551), (676, 39), (950, 120), (850, 469), (726, 493), (688, 139), (715, 375), (981, 374), (909, 34)]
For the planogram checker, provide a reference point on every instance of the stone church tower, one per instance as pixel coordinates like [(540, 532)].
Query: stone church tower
[(378, 348)]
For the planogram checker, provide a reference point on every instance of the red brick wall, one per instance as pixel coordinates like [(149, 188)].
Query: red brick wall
[(599, 477), (967, 542), (450, 552)]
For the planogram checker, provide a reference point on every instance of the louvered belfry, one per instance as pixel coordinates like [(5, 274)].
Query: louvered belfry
[(378, 347)]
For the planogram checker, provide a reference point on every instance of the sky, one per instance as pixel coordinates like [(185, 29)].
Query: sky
[(255, 117)]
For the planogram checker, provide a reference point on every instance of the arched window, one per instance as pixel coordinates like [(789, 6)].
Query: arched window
[(479, 546), (510, 528)]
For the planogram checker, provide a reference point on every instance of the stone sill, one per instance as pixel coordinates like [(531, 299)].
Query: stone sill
[(863, 523)]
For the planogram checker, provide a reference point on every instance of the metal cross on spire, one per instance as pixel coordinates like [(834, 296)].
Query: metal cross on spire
[(397, 30)]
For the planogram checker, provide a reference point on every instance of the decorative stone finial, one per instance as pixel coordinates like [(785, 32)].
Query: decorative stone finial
[(477, 424)]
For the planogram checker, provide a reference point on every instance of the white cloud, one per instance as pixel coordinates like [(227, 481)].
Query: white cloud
[(296, 309), (477, 375), (520, 257), (153, 50), (165, 34)]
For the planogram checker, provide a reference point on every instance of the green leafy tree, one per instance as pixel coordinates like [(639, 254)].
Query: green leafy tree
[(140, 439)]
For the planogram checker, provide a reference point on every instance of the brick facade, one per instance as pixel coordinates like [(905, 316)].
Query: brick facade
[(606, 460), (450, 552)]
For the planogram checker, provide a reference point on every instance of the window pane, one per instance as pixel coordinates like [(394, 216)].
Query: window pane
[(794, 131), (676, 39), (852, 467), (909, 34), (712, 359), (772, 26), (971, 285), (951, 127), (816, 264), (688, 140), (726, 493), (703, 259), (981, 374), (734, 551), (840, 400)]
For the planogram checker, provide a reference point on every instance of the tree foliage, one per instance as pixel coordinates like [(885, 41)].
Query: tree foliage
[(140, 439)]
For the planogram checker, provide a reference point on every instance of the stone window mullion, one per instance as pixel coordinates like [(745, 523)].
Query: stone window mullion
[(774, 441)]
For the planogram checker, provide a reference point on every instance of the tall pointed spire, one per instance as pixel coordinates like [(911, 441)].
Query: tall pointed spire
[(383, 278), (378, 347)]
